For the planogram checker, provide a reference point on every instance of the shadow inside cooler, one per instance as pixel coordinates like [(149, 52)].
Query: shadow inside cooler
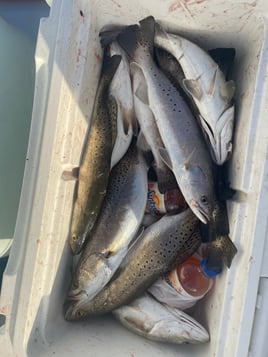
[(19, 25)]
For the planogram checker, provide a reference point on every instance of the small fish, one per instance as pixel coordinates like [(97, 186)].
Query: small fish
[(96, 160), (145, 117), (119, 220), (147, 317), (121, 91), (206, 84), (162, 246), (184, 150)]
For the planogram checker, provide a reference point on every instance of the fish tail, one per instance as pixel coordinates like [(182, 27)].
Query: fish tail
[(136, 37), (221, 250)]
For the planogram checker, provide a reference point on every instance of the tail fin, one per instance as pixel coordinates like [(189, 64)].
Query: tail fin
[(135, 37)]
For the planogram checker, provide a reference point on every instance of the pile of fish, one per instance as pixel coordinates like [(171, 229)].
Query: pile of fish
[(163, 106)]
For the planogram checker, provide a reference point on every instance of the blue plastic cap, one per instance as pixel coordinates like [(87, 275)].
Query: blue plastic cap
[(209, 272)]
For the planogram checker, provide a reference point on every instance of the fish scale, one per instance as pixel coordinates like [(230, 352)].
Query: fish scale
[(163, 245)]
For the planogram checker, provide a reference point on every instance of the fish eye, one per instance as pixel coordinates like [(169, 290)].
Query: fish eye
[(204, 200), (74, 236), (80, 313)]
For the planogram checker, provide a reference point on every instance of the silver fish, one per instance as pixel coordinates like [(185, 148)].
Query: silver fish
[(147, 317), (206, 84), (185, 151), (121, 91), (119, 220), (145, 117), (163, 245)]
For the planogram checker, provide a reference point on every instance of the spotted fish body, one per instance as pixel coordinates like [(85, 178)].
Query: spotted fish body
[(185, 151), (205, 83), (145, 117), (96, 160), (163, 245), (119, 220)]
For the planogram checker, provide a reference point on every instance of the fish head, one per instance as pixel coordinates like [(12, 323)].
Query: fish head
[(219, 135), (199, 194), (73, 312), (91, 275), (76, 242)]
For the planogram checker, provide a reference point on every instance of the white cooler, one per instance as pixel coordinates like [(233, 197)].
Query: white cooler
[(68, 61)]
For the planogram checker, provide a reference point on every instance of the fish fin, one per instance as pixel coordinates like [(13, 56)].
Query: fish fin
[(212, 85), (141, 93), (70, 174), (222, 248), (132, 37), (192, 87), (227, 92), (159, 31), (165, 157), (147, 29), (186, 164)]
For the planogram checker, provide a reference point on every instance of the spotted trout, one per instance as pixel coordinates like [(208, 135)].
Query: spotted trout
[(185, 151), (119, 220), (162, 246), (96, 160)]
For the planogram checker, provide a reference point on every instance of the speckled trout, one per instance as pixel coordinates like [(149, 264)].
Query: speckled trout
[(96, 160), (185, 151), (119, 220), (162, 246)]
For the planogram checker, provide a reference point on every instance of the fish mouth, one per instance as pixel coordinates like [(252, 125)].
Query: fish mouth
[(199, 212), (75, 302)]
